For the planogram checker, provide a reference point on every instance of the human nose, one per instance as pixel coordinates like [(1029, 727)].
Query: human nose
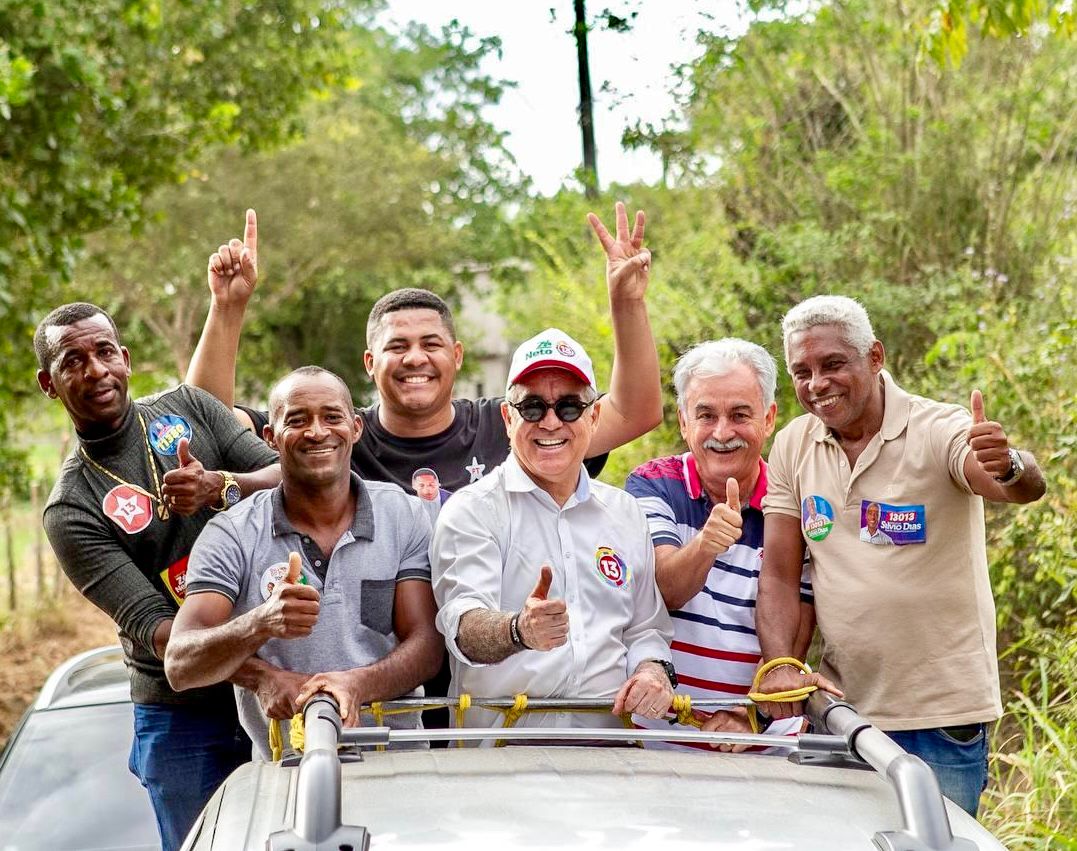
[(414, 355), (550, 420), (723, 429), (316, 430), (817, 383), (95, 367)]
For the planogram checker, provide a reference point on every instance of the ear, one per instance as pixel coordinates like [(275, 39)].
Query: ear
[(368, 362), (267, 436), (126, 359), (877, 356), (683, 423), (44, 381), (458, 354), (505, 415), (357, 431), (769, 418)]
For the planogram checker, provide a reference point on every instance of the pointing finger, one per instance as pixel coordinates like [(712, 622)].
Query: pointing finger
[(250, 232), (732, 494), (295, 568), (976, 404)]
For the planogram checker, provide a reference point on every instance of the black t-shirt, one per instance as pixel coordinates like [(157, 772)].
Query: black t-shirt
[(471, 447)]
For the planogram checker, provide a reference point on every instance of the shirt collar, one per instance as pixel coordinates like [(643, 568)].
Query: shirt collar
[(362, 524), (694, 484), (516, 479), (895, 412)]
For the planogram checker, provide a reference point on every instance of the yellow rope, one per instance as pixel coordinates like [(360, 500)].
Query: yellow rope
[(276, 745), (791, 696), (682, 708), (463, 704)]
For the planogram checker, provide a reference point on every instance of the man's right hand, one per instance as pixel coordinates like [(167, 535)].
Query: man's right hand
[(292, 609), (789, 678), (233, 268), (543, 624), (278, 692), (725, 524)]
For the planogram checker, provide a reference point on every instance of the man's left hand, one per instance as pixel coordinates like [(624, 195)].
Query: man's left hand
[(647, 692), (191, 487), (343, 686), (628, 263), (989, 443)]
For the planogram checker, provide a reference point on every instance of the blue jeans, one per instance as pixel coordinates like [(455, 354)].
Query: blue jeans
[(960, 766), (181, 754)]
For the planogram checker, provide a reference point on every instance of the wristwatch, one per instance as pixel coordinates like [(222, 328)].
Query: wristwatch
[(1017, 469), (230, 493), (671, 672)]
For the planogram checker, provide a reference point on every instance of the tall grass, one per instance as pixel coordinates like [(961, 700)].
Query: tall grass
[(1031, 802)]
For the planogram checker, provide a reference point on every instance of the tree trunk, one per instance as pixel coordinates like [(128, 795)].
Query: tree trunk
[(587, 123)]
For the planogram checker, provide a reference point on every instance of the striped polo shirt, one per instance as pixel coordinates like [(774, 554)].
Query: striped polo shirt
[(715, 646)]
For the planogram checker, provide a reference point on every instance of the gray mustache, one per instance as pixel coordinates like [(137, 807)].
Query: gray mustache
[(725, 446)]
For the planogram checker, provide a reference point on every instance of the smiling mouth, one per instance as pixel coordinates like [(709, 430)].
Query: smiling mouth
[(321, 450), (550, 443), (825, 402), (417, 379)]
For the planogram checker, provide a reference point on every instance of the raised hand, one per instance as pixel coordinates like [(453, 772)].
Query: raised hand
[(543, 623), (190, 487), (628, 263), (292, 609), (233, 268), (989, 443), (725, 524)]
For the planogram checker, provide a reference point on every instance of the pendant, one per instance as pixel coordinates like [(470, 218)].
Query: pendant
[(162, 510)]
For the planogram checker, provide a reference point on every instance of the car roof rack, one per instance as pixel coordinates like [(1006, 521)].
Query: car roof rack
[(847, 738), (94, 669)]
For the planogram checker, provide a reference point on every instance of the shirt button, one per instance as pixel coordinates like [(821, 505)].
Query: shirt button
[(568, 556), (317, 562), (306, 540)]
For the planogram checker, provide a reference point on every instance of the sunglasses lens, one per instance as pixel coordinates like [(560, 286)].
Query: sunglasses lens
[(568, 410), (532, 410)]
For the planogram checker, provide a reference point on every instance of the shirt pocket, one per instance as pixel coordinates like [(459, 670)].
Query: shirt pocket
[(376, 606)]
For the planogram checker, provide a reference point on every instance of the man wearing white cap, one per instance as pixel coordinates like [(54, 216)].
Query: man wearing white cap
[(544, 578)]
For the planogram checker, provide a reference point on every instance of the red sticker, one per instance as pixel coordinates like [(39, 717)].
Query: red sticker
[(611, 567), (129, 509), (175, 579)]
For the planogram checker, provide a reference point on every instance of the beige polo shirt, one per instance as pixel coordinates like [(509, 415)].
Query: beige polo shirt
[(898, 562)]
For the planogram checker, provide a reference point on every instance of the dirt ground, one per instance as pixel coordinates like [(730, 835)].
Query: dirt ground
[(31, 647)]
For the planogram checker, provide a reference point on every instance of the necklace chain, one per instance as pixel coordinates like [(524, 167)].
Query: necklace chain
[(162, 509)]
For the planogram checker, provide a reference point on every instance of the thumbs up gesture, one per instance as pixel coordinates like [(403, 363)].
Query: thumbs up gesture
[(233, 268), (291, 611), (725, 524), (989, 443), (190, 486), (543, 623)]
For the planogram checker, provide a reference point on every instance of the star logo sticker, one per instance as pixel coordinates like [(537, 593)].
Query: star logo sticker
[(475, 469), (128, 508)]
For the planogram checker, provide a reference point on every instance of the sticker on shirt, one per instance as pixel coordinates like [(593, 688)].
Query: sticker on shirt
[(427, 486), (128, 508), (166, 431), (892, 525), (274, 575), (175, 579), (612, 567), (475, 469), (817, 517)]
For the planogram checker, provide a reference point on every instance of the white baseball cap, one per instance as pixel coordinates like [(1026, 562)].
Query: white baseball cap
[(551, 349)]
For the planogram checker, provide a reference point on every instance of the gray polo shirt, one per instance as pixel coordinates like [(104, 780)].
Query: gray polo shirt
[(243, 553)]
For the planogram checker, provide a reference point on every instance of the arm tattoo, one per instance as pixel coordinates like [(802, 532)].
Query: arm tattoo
[(484, 636)]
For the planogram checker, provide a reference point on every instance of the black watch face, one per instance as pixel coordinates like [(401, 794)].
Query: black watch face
[(232, 495)]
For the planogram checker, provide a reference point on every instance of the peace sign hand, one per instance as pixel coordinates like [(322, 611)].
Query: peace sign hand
[(233, 268), (628, 263)]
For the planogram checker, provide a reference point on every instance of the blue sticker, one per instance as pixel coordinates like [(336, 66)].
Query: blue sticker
[(817, 517), (166, 431), (892, 525)]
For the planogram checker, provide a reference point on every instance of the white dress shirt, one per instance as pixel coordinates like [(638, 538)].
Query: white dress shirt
[(490, 542)]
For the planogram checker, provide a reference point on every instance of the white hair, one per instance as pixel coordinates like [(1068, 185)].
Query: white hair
[(847, 313), (718, 357)]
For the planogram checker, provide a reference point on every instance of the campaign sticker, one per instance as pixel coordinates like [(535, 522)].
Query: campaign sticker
[(565, 349), (612, 567), (892, 525), (166, 431), (128, 508), (817, 517), (274, 574), (175, 579)]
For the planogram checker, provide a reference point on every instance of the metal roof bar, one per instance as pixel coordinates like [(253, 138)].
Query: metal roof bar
[(926, 825)]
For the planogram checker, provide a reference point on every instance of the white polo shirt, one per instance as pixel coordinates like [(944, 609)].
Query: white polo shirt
[(491, 540), (905, 612)]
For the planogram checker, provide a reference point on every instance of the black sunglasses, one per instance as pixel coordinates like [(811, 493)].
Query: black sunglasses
[(567, 409)]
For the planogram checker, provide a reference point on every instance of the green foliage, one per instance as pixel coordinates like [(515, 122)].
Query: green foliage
[(395, 182), (947, 27)]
